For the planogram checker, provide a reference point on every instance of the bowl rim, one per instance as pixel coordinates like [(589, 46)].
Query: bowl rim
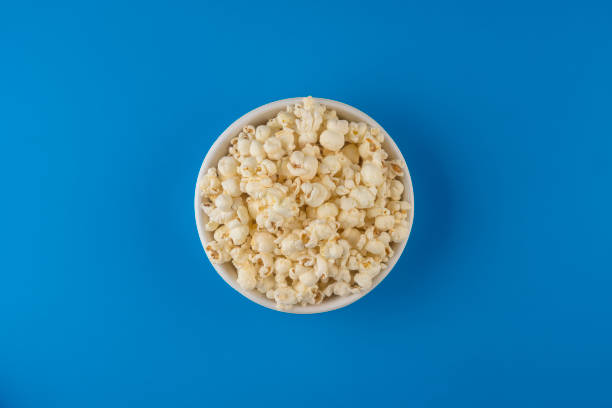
[(251, 117)]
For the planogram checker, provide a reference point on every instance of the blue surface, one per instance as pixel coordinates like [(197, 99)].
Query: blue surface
[(502, 297)]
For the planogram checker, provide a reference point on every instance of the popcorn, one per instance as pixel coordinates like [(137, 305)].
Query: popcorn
[(291, 245), (341, 289), (223, 202), (247, 278), (243, 146), (211, 226), (309, 278), (342, 190), (210, 184), (273, 148), (303, 166), (256, 150), (285, 297), (347, 203), (249, 130), (399, 232), (395, 168), (351, 152), (371, 174), (327, 210), (257, 186), (376, 211), (282, 266), (369, 266), (315, 194), (356, 132), (368, 147), (321, 229), (321, 267), (227, 166), (396, 188), (363, 196), (375, 247), (237, 232), (221, 216), (287, 139), (247, 167), (221, 235), (262, 242), (331, 140), (351, 235), (384, 222), (285, 119), (265, 285), (339, 126), (351, 218), (305, 206), (330, 165), (308, 124), (231, 186), (363, 280), (217, 252), (262, 133), (266, 168), (328, 182), (332, 250), (264, 263)]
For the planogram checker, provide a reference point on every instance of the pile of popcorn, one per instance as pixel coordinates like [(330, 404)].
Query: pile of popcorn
[(306, 206)]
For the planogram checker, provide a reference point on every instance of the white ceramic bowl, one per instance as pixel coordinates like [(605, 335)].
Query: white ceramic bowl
[(260, 116)]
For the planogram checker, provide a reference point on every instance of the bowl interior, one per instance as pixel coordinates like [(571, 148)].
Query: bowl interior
[(260, 116)]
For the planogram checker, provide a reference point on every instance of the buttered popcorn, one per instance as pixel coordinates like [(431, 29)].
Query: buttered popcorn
[(305, 206)]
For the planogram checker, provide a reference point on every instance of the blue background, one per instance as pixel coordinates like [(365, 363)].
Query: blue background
[(501, 298)]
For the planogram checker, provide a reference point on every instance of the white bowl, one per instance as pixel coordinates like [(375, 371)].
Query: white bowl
[(260, 116)]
